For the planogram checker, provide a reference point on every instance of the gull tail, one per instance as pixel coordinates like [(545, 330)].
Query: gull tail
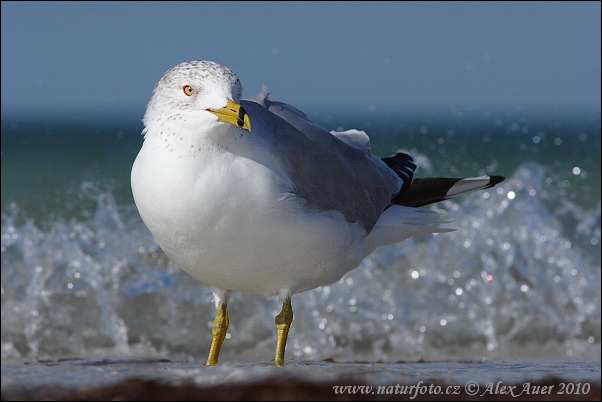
[(402, 219)]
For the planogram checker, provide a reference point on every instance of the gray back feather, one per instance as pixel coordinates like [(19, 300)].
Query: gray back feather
[(326, 172)]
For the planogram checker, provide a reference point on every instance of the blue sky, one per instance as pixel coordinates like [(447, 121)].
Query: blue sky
[(70, 58)]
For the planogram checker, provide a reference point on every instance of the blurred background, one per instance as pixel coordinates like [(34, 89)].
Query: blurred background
[(80, 58), (468, 88)]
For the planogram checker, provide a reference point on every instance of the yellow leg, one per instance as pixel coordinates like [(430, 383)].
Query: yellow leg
[(218, 329), (283, 323)]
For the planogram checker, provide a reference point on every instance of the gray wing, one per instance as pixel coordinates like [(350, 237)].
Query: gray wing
[(326, 172)]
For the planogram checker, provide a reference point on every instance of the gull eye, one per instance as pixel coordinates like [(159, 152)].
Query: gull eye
[(188, 90)]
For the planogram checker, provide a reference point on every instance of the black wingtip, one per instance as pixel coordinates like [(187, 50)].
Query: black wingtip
[(493, 180), (425, 191)]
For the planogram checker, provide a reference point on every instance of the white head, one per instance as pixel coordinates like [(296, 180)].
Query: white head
[(187, 93)]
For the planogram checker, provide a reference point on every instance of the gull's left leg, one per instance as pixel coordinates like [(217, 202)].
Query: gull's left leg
[(283, 323), (219, 326)]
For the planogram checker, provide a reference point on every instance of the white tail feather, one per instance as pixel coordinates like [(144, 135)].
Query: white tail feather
[(398, 223)]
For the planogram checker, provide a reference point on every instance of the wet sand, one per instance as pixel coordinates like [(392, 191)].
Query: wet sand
[(158, 379)]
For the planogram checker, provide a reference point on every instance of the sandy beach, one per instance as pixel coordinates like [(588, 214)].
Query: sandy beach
[(162, 379)]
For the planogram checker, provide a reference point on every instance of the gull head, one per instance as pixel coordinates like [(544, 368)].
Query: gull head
[(197, 93)]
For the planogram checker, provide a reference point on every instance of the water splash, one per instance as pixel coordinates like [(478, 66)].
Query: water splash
[(515, 278)]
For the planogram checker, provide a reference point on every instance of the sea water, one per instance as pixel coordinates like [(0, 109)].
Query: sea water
[(82, 275)]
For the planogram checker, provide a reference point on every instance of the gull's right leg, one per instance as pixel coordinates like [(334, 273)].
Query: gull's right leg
[(283, 323), (219, 326)]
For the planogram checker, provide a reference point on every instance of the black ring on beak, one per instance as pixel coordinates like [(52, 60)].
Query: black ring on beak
[(241, 116)]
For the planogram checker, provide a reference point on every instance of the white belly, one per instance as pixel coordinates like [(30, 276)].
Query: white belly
[(230, 224)]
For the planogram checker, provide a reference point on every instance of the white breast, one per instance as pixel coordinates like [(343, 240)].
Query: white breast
[(230, 223)]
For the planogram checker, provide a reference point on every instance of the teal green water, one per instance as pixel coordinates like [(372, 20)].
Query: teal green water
[(43, 164)]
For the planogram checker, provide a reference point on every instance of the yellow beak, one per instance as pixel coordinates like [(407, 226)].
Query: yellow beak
[(233, 113)]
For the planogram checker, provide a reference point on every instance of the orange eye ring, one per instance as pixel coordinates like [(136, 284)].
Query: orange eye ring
[(188, 90)]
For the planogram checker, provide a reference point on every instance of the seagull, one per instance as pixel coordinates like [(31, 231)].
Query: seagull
[(252, 196)]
